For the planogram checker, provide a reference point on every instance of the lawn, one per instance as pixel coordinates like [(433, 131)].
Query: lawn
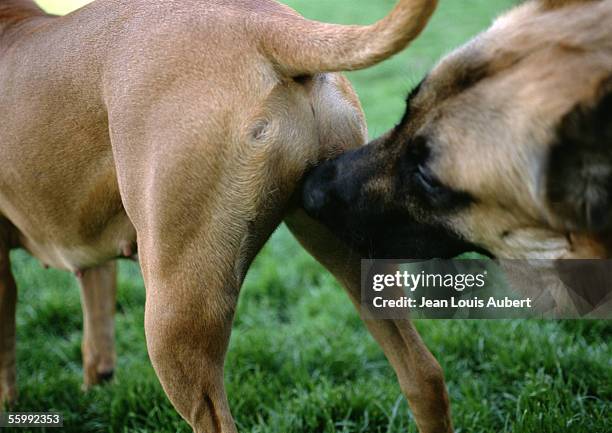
[(300, 360)]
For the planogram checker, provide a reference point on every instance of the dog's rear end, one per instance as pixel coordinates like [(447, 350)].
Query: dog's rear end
[(184, 127)]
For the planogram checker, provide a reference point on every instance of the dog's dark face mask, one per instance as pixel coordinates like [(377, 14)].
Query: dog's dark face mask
[(386, 210)]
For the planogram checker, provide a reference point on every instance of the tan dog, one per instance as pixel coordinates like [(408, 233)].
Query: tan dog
[(182, 128), (505, 145)]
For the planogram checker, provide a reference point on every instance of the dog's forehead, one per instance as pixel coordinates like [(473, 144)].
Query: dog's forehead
[(514, 37), (486, 54), (483, 57)]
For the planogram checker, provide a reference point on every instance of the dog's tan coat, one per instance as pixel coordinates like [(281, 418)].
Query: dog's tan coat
[(185, 127)]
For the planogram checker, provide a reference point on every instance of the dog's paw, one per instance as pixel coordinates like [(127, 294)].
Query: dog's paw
[(8, 396), (92, 377)]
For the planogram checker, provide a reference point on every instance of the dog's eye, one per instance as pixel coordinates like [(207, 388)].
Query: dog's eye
[(427, 181), (435, 194)]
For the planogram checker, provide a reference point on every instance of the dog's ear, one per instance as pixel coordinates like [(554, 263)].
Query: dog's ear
[(579, 177)]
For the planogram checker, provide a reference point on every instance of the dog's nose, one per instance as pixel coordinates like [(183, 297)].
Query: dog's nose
[(315, 200), (317, 193)]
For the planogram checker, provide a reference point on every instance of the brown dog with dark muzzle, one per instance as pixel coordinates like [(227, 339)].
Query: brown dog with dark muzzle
[(505, 145), (181, 130)]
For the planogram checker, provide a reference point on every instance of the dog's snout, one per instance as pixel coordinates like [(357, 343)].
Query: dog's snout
[(334, 189)]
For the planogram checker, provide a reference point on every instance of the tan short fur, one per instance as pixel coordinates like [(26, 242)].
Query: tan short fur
[(182, 128)]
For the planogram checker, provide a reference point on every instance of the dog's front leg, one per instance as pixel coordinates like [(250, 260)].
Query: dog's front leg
[(419, 374), (8, 301), (98, 293)]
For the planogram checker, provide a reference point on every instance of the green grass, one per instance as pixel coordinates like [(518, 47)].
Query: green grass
[(300, 360)]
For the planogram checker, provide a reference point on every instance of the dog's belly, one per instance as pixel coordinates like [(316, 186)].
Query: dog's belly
[(117, 240), (59, 190), (63, 200), (94, 232)]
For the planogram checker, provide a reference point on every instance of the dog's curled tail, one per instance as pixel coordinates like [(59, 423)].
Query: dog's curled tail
[(302, 47)]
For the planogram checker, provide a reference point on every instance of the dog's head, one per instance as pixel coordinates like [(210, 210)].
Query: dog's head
[(505, 146)]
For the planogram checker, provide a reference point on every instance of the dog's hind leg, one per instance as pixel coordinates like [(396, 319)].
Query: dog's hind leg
[(190, 256), (192, 288), (188, 321), (419, 374), (98, 293), (194, 251), (8, 301)]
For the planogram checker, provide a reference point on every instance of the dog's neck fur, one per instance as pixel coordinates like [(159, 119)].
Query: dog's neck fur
[(15, 12)]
